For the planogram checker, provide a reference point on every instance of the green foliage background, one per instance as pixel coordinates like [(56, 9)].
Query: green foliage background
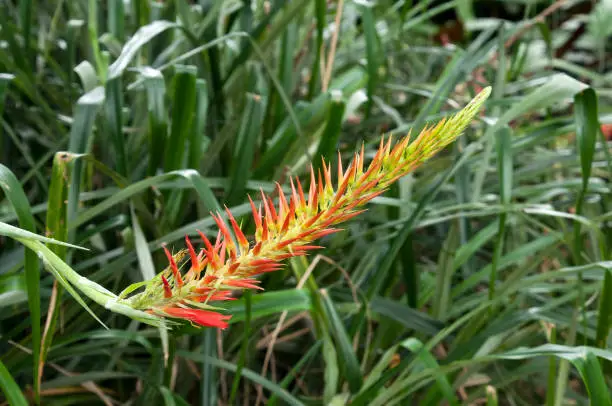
[(482, 278)]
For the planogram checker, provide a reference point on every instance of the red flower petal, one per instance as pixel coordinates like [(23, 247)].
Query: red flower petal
[(202, 317), (243, 283), (222, 295), (167, 288), (175, 272)]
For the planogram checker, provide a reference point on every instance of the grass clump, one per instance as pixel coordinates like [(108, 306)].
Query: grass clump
[(480, 272)]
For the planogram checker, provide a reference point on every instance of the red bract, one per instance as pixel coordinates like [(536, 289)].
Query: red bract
[(201, 317)]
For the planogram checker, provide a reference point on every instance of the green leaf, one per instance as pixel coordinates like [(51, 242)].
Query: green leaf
[(348, 359), (244, 151), (381, 366), (244, 346), (167, 396), (87, 74), (155, 87), (5, 80), (269, 303), (517, 255), (587, 128), (25, 21), (310, 116), (445, 271), (145, 260), (558, 87), (182, 116), (69, 278), (56, 223), (144, 35), (465, 251), (104, 336), (331, 373), (247, 373), (505, 165), (15, 195), (426, 360), (10, 389), (408, 317), (78, 379), (604, 316), (194, 178), (505, 169), (116, 18), (372, 53), (584, 360), (92, 29), (58, 213), (400, 239), (328, 144), (198, 135), (113, 121), (15, 232), (80, 142), (297, 368), (49, 265), (210, 375)]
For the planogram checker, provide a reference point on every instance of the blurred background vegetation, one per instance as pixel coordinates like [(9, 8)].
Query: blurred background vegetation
[(482, 278)]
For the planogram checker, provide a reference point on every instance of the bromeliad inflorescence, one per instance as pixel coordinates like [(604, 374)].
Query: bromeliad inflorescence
[(191, 289), (285, 230)]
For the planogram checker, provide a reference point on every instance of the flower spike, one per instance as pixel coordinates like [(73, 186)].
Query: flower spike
[(288, 229)]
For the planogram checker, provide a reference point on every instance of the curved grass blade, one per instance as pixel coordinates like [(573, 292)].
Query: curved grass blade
[(137, 41), (113, 122), (372, 53), (504, 162), (15, 195), (182, 115), (427, 360), (293, 374), (587, 129), (584, 360), (10, 388), (244, 151), (247, 373), (348, 359), (269, 303), (15, 232), (201, 186), (328, 143), (196, 142), (244, 347), (155, 87), (97, 293), (56, 225)]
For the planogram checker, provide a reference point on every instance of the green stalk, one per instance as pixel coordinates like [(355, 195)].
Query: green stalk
[(505, 170), (552, 369), (92, 29), (25, 14), (585, 114), (244, 348), (564, 365), (16, 196), (69, 278), (56, 228)]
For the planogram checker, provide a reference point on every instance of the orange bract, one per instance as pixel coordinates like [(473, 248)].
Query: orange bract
[(287, 229)]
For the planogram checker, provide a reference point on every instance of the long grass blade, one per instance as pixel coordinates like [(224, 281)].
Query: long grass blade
[(19, 201), (10, 388)]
